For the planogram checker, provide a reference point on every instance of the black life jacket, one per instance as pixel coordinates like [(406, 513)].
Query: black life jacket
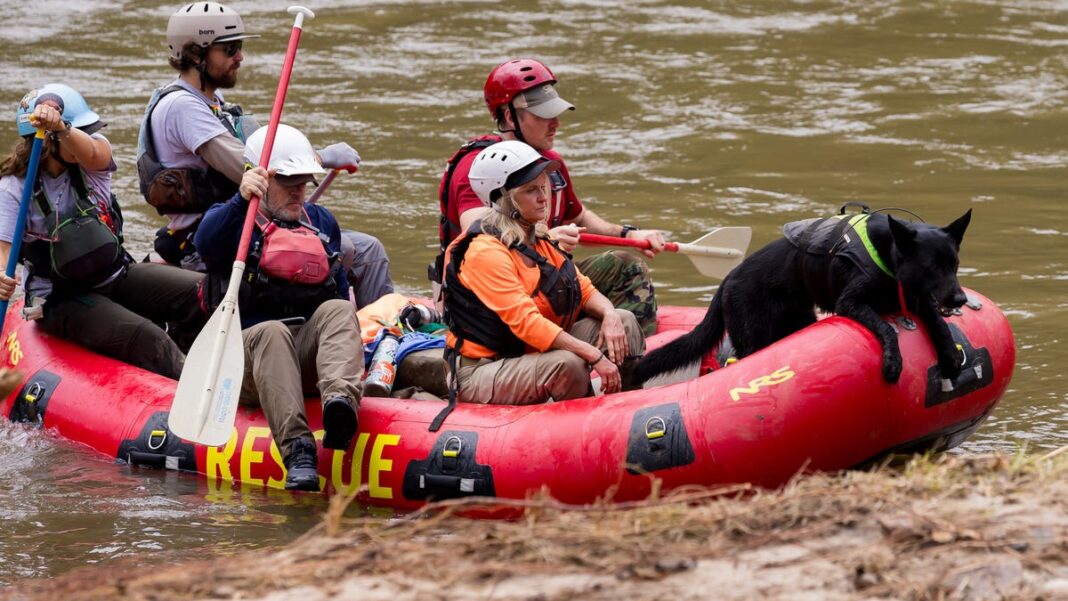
[(449, 230), (189, 190), (468, 317), (85, 248)]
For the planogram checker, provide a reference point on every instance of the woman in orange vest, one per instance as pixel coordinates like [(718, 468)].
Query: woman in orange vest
[(513, 298)]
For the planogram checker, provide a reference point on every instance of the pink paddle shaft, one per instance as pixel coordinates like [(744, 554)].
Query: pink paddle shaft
[(599, 240)]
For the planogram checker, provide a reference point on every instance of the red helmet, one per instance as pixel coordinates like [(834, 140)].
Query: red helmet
[(512, 77)]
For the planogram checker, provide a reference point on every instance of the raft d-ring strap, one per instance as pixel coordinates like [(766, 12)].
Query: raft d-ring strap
[(160, 435), (452, 357), (452, 452), (655, 428), (963, 354)]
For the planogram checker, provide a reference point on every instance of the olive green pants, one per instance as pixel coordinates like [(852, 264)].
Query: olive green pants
[(537, 377), (119, 320), (283, 363), (623, 277)]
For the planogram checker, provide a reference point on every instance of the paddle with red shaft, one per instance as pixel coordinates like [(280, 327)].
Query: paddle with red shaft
[(20, 218), (329, 179), (205, 403), (714, 254)]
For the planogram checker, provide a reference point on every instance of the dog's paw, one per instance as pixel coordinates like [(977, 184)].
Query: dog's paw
[(892, 369)]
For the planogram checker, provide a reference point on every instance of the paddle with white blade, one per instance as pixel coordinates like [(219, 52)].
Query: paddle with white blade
[(205, 403), (714, 255)]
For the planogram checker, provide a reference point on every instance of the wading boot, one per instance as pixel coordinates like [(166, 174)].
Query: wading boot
[(302, 464), (339, 423)]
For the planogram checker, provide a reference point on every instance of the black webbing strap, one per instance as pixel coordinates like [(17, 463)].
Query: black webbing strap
[(452, 359)]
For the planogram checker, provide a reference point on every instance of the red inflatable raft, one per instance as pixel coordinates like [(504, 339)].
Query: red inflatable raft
[(815, 400)]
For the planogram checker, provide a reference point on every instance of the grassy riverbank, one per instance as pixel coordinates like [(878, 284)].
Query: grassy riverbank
[(960, 527)]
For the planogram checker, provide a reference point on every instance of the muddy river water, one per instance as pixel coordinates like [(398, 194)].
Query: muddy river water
[(691, 115)]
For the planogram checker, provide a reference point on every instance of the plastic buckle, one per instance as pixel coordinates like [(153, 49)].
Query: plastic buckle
[(156, 434), (655, 428)]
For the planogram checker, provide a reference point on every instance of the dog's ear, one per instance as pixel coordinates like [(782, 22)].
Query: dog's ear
[(956, 229), (904, 236)]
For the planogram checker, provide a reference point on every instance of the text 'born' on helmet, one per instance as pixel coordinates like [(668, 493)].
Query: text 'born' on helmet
[(204, 24)]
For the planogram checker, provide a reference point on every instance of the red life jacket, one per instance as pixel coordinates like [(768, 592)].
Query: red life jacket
[(295, 255)]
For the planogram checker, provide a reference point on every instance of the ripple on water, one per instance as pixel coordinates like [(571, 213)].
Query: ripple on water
[(686, 20)]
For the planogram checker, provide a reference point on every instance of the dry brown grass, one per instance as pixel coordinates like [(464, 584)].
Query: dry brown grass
[(988, 527)]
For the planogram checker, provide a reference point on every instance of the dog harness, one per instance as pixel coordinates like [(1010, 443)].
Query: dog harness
[(847, 238), (842, 237)]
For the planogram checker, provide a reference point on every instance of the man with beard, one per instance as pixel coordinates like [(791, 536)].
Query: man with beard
[(191, 144), (522, 98)]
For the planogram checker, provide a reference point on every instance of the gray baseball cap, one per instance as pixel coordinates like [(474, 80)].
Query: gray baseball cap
[(544, 101)]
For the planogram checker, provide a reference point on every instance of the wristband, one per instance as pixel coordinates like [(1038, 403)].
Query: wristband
[(598, 359), (64, 133), (626, 230)]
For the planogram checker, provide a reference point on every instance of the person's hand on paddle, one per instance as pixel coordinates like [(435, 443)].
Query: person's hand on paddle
[(340, 156), (48, 118), (253, 183), (7, 286), (567, 236), (655, 238), (613, 337)]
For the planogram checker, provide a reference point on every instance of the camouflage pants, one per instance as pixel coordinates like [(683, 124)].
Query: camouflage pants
[(623, 277)]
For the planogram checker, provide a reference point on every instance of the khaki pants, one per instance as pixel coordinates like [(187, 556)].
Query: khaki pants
[(284, 363), (119, 320), (537, 377)]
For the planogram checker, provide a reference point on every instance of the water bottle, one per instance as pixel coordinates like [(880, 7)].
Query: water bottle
[(415, 315), (383, 371)]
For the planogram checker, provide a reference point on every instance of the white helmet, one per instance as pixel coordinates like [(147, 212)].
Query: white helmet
[(292, 153), (204, 23), (504, 166)]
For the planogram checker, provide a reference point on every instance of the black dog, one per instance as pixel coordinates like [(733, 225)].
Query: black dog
[(833, 265)]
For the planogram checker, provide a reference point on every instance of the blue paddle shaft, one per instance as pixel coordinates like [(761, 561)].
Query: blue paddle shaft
[(20, 219)]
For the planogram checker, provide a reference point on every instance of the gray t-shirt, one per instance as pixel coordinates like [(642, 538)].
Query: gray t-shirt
[(59, 191), (181, 123)]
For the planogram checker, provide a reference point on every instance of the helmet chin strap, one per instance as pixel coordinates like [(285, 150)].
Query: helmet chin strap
[(513, 214), (202, 70), (515, 125)]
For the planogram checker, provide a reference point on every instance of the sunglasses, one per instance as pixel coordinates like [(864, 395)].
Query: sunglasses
[(230, 48)]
